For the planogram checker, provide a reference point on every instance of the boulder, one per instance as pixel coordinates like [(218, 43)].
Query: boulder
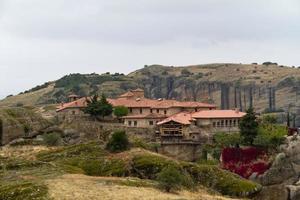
[(274, 192), (281, 170), (294, 192)]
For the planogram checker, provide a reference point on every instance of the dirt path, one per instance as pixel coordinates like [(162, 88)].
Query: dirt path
[(81, 187)]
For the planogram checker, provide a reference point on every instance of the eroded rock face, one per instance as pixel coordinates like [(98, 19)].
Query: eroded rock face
[(283, 175), (274, 192)]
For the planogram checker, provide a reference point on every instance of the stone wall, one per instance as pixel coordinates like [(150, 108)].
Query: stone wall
[(182, 151), (101, 130)]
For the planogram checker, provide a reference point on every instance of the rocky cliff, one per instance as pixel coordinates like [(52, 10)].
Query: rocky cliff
[(268, 87)]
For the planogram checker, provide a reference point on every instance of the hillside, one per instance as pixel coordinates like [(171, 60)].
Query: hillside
[(241, 85), (86, 171)]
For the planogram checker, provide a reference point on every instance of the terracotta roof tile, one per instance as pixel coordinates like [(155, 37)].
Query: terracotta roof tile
[(79, 103), (186, 118), (214, 114), (182, 118), (140, 103)]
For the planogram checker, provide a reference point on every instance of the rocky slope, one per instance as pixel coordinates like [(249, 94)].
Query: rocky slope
[(281, 181), (266, 87)]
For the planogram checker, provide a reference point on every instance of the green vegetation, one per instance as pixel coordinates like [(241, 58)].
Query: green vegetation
[(185, 72), (249, 127), (270, 136), (52, 139), (222, 181), (269, 119), (23, 191), (140, 143), (227, 140), (118, 142), (120, 111), (170, 178), (94, 161), (98, 108)]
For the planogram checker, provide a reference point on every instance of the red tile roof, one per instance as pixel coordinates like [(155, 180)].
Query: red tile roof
[(79, 103), (140, 103), (186, 118), (215, 114), (182, 118)]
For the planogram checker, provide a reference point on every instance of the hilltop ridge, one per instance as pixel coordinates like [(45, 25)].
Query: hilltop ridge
[(214, 83)]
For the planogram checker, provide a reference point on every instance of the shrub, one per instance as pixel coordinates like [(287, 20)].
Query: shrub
[(170, 178), (227, 140), (222, 181), (104, 167), (118, 142), (185, 72), (245, 162), (19, 104), (148, 166), (270, 136), (52, 139), (269, 119)]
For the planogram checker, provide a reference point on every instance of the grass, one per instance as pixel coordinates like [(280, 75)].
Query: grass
[(23, 191), (91, 159)]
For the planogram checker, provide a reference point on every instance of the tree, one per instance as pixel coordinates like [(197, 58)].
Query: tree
[(120, 111), (269, 119), (98, 108), (249, 127), (118, 142), (105, 107), (170, 178)]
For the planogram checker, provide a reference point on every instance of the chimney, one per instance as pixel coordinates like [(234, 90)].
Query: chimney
[(237, 110)]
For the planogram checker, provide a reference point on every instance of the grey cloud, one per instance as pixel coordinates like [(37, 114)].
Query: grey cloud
[(43, 40)]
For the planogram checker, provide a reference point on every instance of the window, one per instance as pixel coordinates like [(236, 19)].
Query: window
[(151, 111), (226, 122), (218, 124), (234, 122), (165, 112), (222, 122), (230, 122), (130, 110), (129, 123), (135, 123), (214, 124), (151, 123), (157, 110), (73, 112), (141, 110)]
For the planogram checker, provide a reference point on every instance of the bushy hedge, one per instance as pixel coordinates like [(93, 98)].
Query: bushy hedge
[(118, 142), (52, 139)]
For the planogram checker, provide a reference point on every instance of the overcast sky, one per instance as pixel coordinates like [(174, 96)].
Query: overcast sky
[(42, 40)]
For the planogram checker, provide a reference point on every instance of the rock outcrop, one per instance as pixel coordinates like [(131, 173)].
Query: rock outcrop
[(283, 176)]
